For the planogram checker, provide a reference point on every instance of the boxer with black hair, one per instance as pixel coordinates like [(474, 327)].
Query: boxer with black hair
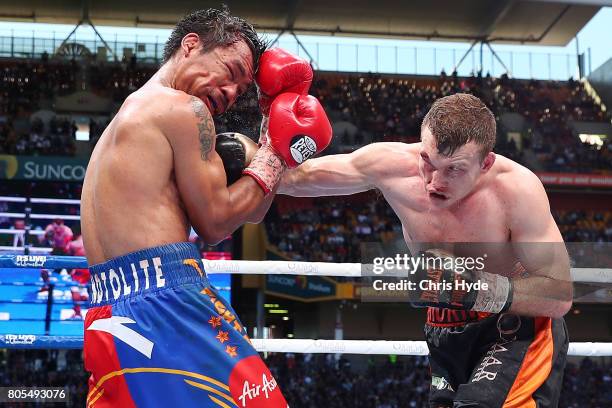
[(157, 334)]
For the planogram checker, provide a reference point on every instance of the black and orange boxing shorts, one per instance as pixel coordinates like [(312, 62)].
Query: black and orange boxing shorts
[(495, 361)]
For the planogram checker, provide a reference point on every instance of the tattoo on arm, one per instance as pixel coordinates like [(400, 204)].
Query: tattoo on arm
[(206, 127)]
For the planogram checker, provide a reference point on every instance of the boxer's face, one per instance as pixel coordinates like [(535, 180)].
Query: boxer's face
[(218, 76), (448, 179)]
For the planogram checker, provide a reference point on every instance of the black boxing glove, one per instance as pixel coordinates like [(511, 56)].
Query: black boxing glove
[(236, 151), (442, 281)]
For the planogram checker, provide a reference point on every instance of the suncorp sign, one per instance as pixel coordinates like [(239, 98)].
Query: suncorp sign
[(42, 168), (44, 171)]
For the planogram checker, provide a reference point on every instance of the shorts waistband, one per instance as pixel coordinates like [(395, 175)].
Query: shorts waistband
[(437, 316), (144, 271)]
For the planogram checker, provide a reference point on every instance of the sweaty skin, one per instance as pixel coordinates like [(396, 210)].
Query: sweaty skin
[(441, 199), (155, 172)]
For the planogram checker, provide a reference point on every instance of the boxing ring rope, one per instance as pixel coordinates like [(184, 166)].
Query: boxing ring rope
[(236, 267), (20, 231), (41, 216), (300, 346), (275, 345), (40, 200), (591, 275), (21, 248)]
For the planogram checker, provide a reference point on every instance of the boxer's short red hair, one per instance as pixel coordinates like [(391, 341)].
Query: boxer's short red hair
[(458, 119)]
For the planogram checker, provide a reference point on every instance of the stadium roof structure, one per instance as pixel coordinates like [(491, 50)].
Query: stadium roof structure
[(538, 22)]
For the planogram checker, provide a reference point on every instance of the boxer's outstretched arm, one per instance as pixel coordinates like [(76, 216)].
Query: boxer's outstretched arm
[(547, 289), (339, 174), (214, 210)]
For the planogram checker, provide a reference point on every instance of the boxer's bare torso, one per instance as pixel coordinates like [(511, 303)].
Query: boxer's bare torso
[(130, 198), (155, 172), (505, 204), (480, 217)]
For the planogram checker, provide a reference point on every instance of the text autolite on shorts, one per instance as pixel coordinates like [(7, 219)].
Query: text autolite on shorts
[(406, 284)]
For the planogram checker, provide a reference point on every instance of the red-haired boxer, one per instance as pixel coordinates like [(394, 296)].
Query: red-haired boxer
[(157, 334), (505, 346)]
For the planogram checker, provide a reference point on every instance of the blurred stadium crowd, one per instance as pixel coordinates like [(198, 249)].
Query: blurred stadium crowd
[(310, 381), (364, 108)]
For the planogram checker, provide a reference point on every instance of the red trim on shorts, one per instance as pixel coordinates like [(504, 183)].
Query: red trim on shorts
[(100, 359), (441, 317)]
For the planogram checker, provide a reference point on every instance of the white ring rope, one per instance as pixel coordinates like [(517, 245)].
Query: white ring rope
[(40, 200), (21, 249), (20, 231), (386, 347), (595, 275), (40, 216), (12, 199), (54, 201), (283, 268), (12, 215), (54, 216), (352, 346), (354, 270)]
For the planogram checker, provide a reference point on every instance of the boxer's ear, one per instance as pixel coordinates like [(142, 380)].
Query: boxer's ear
[(189, 43), (487, 163)]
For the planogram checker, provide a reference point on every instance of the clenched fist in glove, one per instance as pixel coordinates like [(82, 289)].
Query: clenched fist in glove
[(279, 72), (441, 281), (298, 129)]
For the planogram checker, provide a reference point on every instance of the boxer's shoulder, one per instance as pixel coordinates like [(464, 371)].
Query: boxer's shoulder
[(404, 157), (383, 160), (174, 112), (386, 162), (513, 181), (160, 102), (184, 107), (398, 148), (385, 151), (146, 105)]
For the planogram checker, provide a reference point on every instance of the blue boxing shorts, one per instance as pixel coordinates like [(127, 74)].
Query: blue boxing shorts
[(158, 335)]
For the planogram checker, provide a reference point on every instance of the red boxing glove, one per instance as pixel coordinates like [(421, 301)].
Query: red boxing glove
[(280, 71), (299, 129)]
